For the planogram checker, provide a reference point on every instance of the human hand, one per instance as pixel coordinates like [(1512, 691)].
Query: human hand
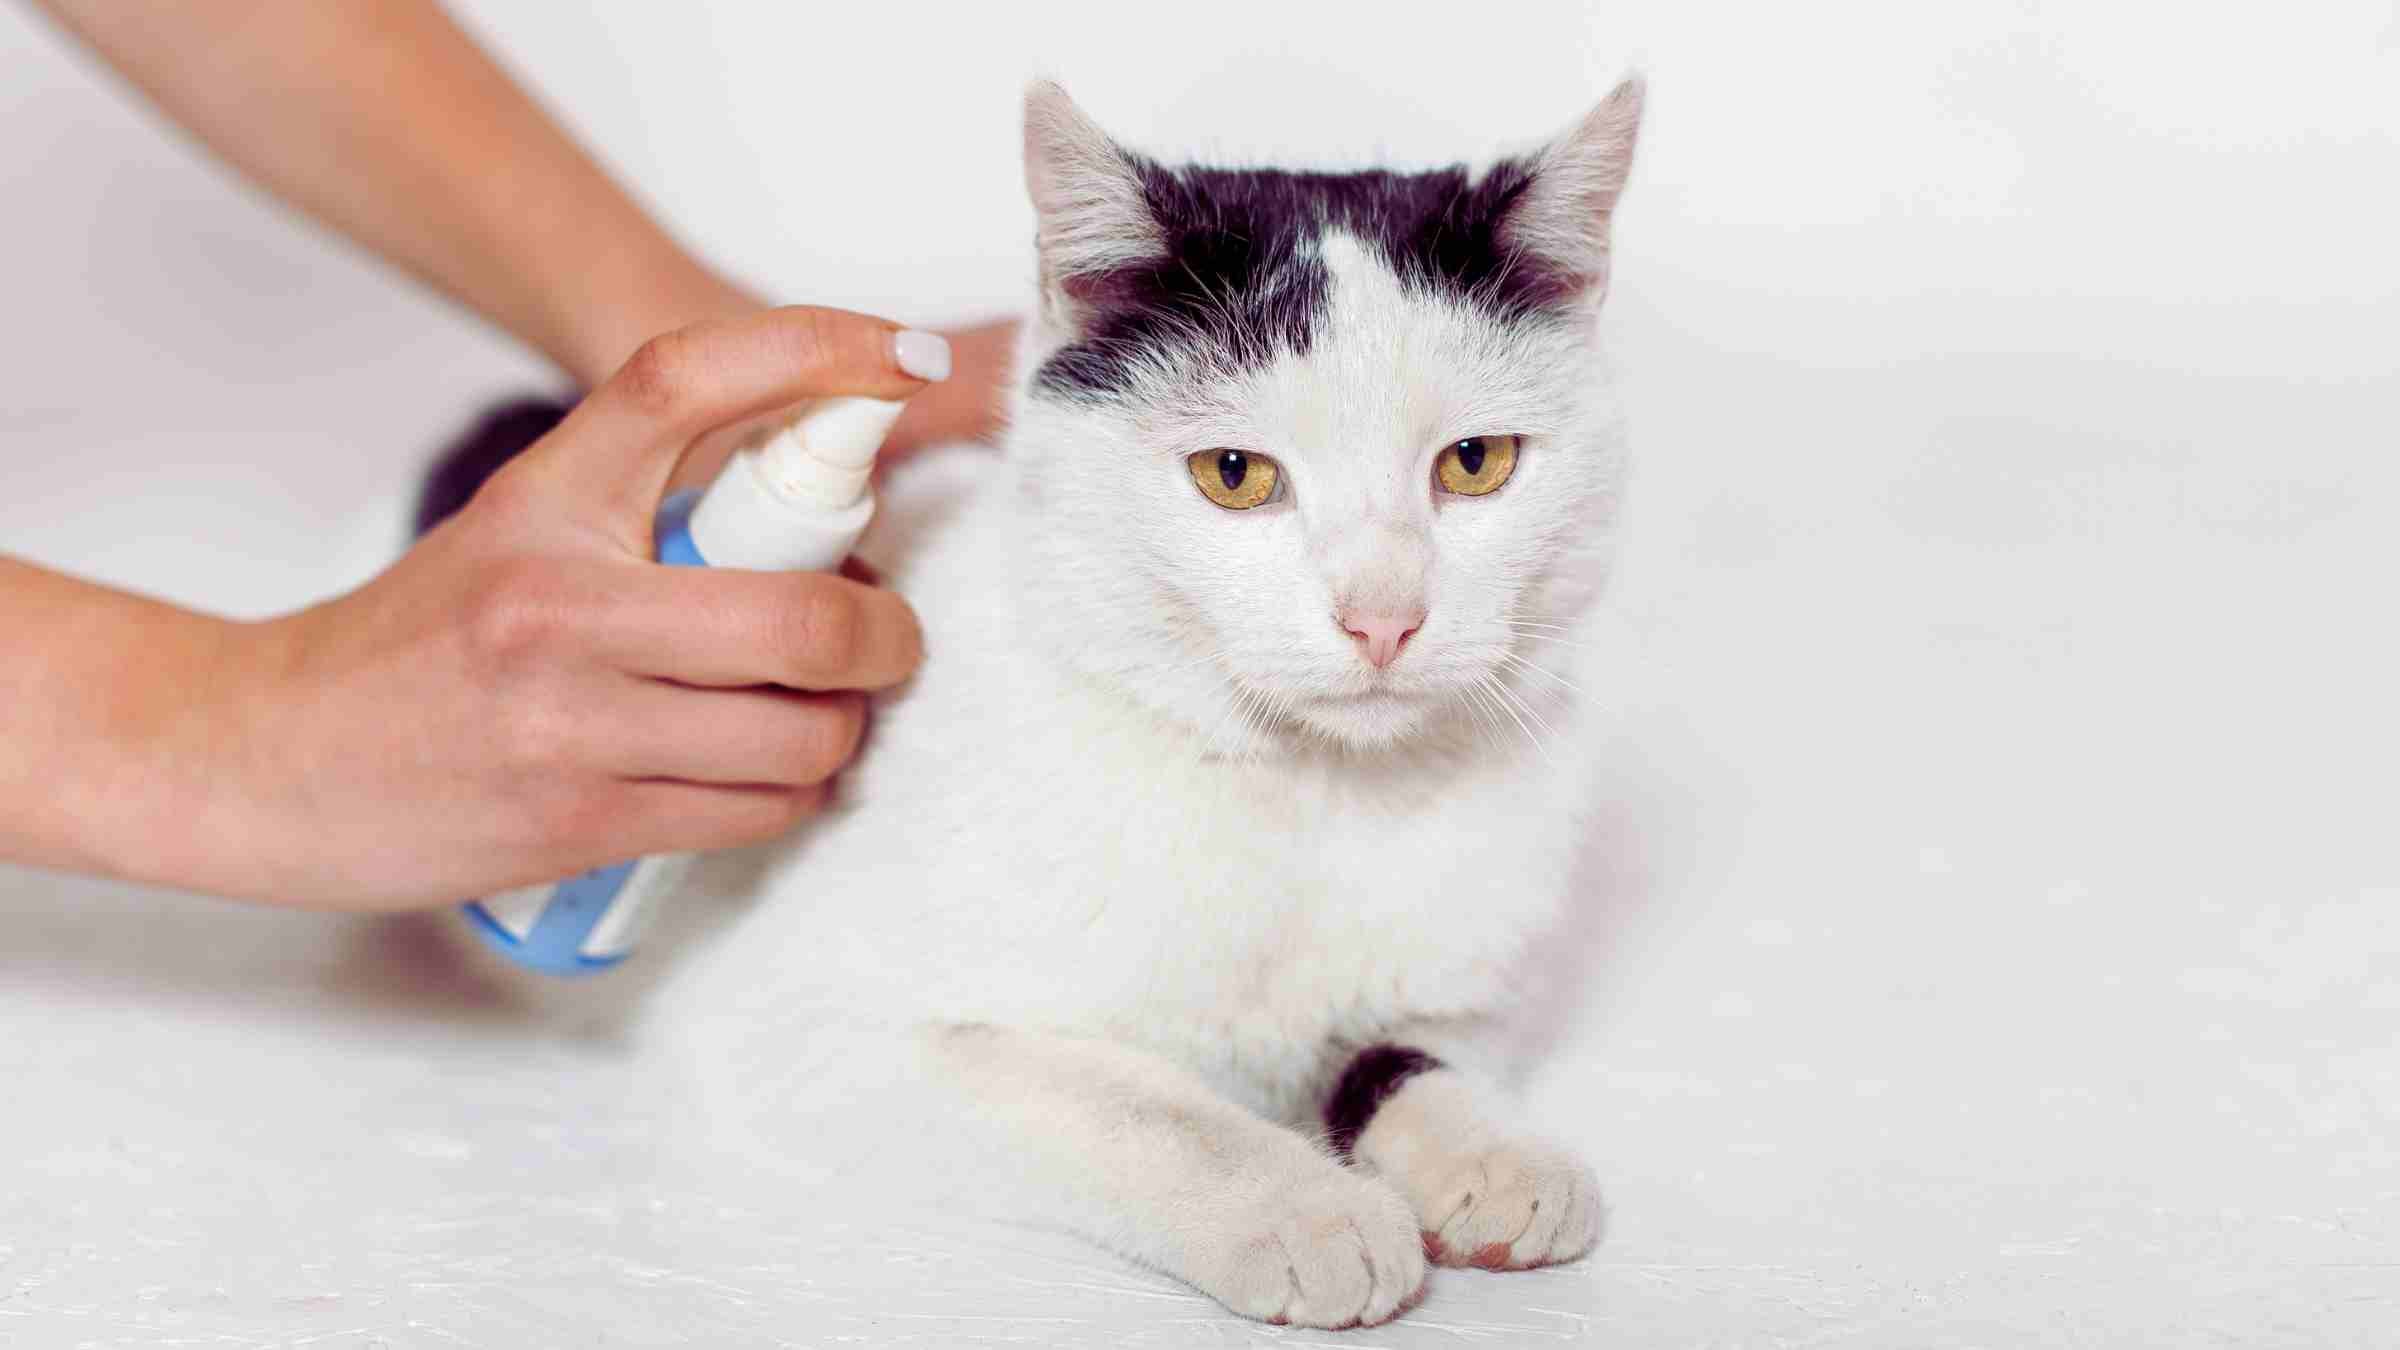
[(526, 694), (963, 406)]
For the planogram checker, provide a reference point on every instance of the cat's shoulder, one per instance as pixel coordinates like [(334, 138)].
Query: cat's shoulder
[(924, 507)]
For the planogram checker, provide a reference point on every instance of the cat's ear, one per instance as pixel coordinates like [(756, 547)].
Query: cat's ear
[(1563, 215), (1091, 215)]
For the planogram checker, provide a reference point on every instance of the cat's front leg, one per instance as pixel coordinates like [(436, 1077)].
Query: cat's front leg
[(1486, 1191), (1141, 1155)]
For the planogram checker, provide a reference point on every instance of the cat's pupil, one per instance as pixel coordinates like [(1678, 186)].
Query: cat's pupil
[(1232, 467), (1470, 457)]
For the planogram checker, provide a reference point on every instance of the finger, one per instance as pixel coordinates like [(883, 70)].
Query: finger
[(723, 627), (664, 816), (620, 444), (760, 737)]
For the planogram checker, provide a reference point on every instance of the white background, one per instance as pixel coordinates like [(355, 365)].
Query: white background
[(1996, 905)]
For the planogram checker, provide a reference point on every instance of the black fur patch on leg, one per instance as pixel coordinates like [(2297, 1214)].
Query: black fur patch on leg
[(1373, 1076), (499, 436)]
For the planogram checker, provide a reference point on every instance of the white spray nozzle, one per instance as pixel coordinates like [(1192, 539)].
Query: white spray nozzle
[(823, 456), (796, 501)]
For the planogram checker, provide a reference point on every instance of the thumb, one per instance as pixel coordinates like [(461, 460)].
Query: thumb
[(614, 453)]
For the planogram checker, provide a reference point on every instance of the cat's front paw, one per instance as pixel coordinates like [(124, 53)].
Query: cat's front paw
[(1510, 1206), (1339, 1250)]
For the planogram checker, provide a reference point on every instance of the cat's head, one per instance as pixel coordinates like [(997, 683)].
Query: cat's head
[(1318, 455)]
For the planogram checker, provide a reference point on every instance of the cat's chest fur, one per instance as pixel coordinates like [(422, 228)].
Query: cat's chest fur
[(1022, 844)]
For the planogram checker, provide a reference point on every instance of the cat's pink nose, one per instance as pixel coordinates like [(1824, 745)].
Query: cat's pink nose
[(1380, 634)]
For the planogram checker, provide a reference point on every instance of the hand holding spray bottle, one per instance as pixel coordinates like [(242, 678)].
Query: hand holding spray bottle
[(795, 502)]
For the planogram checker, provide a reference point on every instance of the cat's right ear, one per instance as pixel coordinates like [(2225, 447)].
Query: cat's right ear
[(1567, 209), (1092, 217)]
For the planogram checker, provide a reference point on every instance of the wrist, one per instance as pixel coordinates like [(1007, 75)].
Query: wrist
[(182, 791), (115, 761), (173, 808)]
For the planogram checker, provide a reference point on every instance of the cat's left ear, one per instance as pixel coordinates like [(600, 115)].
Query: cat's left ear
[(1563, 215)]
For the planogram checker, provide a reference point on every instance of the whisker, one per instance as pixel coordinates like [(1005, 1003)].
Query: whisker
[(1549, 733), (1485, 725), (1551, 637), (1493, 685), (1227, 718), (1249, 706), (1544, 671)]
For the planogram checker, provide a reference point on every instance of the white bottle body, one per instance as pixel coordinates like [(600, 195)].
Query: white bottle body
[(750, 519)]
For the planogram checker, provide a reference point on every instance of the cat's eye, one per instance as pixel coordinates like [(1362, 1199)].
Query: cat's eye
[(1476, 465), (1235, 479)]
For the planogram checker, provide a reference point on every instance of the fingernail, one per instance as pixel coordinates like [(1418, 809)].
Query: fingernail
[(924, 355)]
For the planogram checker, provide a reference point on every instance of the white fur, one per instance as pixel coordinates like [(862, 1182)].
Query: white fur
[(1487, 1196), (1147, 850)]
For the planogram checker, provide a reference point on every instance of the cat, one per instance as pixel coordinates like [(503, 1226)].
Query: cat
[(1195, 872)]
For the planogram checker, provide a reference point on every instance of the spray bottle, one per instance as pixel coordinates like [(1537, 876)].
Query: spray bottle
[(796, 502)]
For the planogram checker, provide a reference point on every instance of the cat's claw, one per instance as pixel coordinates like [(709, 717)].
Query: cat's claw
[(1508, 1207), (1342, 1251)]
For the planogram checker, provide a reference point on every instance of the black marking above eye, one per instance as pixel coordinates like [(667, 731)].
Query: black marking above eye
[(1470, 456), (1240, 278), (1232, 467)]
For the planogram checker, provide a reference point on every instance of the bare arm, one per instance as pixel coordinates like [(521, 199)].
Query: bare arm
[(447, 729), (381, 119), (524, 695), (91, 694)]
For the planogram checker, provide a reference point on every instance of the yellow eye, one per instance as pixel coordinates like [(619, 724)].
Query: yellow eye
[(1476, 465), (1235, 479)]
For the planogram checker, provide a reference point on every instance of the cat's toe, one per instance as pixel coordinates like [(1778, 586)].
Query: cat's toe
[(1512, 1207), (1341, 1251)]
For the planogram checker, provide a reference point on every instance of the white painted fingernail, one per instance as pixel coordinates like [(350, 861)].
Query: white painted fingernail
[(924, 355)]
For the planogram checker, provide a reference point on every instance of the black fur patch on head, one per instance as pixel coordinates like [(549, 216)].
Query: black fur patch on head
[(1373, 1076), (1241, 278)]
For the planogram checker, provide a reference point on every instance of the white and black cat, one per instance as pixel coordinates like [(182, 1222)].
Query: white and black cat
[(1195, 872)]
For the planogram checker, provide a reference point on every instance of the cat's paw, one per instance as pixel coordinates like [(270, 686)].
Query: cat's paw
[(1510, 1206), (1339, 1250)]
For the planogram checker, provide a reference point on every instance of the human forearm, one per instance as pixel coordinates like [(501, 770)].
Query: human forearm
[(383, 120), (111, 726)]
